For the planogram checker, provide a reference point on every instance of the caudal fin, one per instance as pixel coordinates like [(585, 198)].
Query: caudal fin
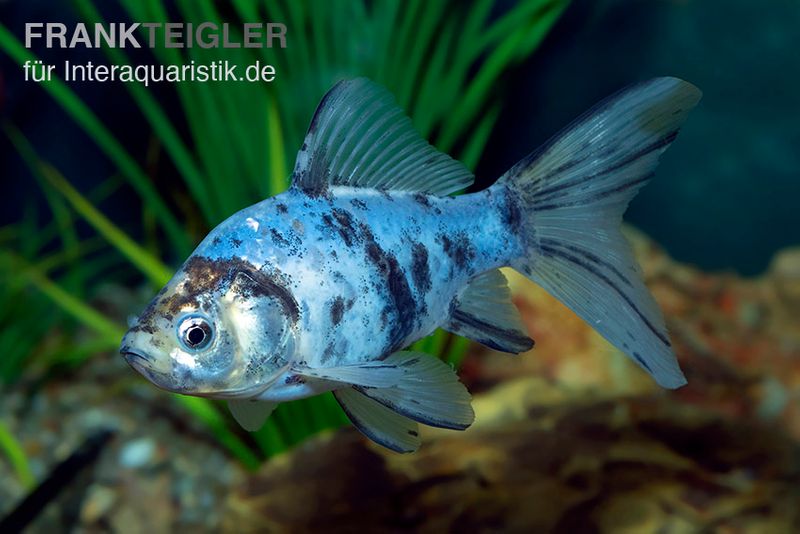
[(572, 193)]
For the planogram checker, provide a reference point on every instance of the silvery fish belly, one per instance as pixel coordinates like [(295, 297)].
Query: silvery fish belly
[(322, 287)]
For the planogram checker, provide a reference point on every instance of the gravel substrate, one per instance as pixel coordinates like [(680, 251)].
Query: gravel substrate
[(161, 471)]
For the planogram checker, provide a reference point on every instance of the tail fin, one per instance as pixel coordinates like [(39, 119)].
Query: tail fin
[(572, 193)]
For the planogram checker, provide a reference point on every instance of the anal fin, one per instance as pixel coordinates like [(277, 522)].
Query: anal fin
[(377, 422), (484, 313)]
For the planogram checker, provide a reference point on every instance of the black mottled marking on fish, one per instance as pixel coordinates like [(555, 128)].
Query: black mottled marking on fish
[(295, 379), (550, 251), (512, 213), (281, 207), (358, 203), (328, 353), (396, 283), (459, 249), (145, 322), (312, 127), (325, 193), (346, 227), (386, 194), (312, 185), (235, 242), (551, 193), (216, 240), (385, 313), (496, 332), (422, 199), (381, 366), (409, 362), (327, 222), (597, 196), (278, 238), (641, 361), (420, 270), (337, 308), (413, 433), (204, 275), (574, 162), (267, 285), (590, 256), (341, 222)]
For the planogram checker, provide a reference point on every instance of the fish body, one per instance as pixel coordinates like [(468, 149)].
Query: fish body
[(321, 287), (371, 272)]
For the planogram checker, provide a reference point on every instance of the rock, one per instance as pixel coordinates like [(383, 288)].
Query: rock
[(98, 502), (627, 465), (785, 275), (137, 453)]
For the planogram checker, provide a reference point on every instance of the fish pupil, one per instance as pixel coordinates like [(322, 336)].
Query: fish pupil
[(195, 335)]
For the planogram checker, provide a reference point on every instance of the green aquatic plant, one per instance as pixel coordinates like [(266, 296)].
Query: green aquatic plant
[(12, 449), (442, 60)]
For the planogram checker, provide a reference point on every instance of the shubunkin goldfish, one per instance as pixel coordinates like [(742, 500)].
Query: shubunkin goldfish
[(321, 288)]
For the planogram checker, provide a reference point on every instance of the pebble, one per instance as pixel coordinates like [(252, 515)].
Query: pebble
[(137, 453), (98, 503)]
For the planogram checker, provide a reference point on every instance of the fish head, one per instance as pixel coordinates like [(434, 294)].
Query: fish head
[(220, 328)]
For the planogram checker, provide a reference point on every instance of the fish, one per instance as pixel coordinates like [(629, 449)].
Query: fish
[(322, 288)]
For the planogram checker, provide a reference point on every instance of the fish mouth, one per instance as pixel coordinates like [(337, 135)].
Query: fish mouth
[(145, 366), (139, 361)]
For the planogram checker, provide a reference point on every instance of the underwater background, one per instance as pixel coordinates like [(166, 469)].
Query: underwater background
[(108, 187)]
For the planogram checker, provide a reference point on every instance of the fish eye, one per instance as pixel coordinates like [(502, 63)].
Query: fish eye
[(195, 332)]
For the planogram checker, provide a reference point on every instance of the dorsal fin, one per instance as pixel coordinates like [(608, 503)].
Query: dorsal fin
[(484, 313), (359, 137)]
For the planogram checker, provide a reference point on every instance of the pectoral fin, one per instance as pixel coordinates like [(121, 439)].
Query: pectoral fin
[(251, 414), (415, 385)]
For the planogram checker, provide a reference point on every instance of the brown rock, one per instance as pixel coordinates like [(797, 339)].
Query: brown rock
[(631, 464)]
